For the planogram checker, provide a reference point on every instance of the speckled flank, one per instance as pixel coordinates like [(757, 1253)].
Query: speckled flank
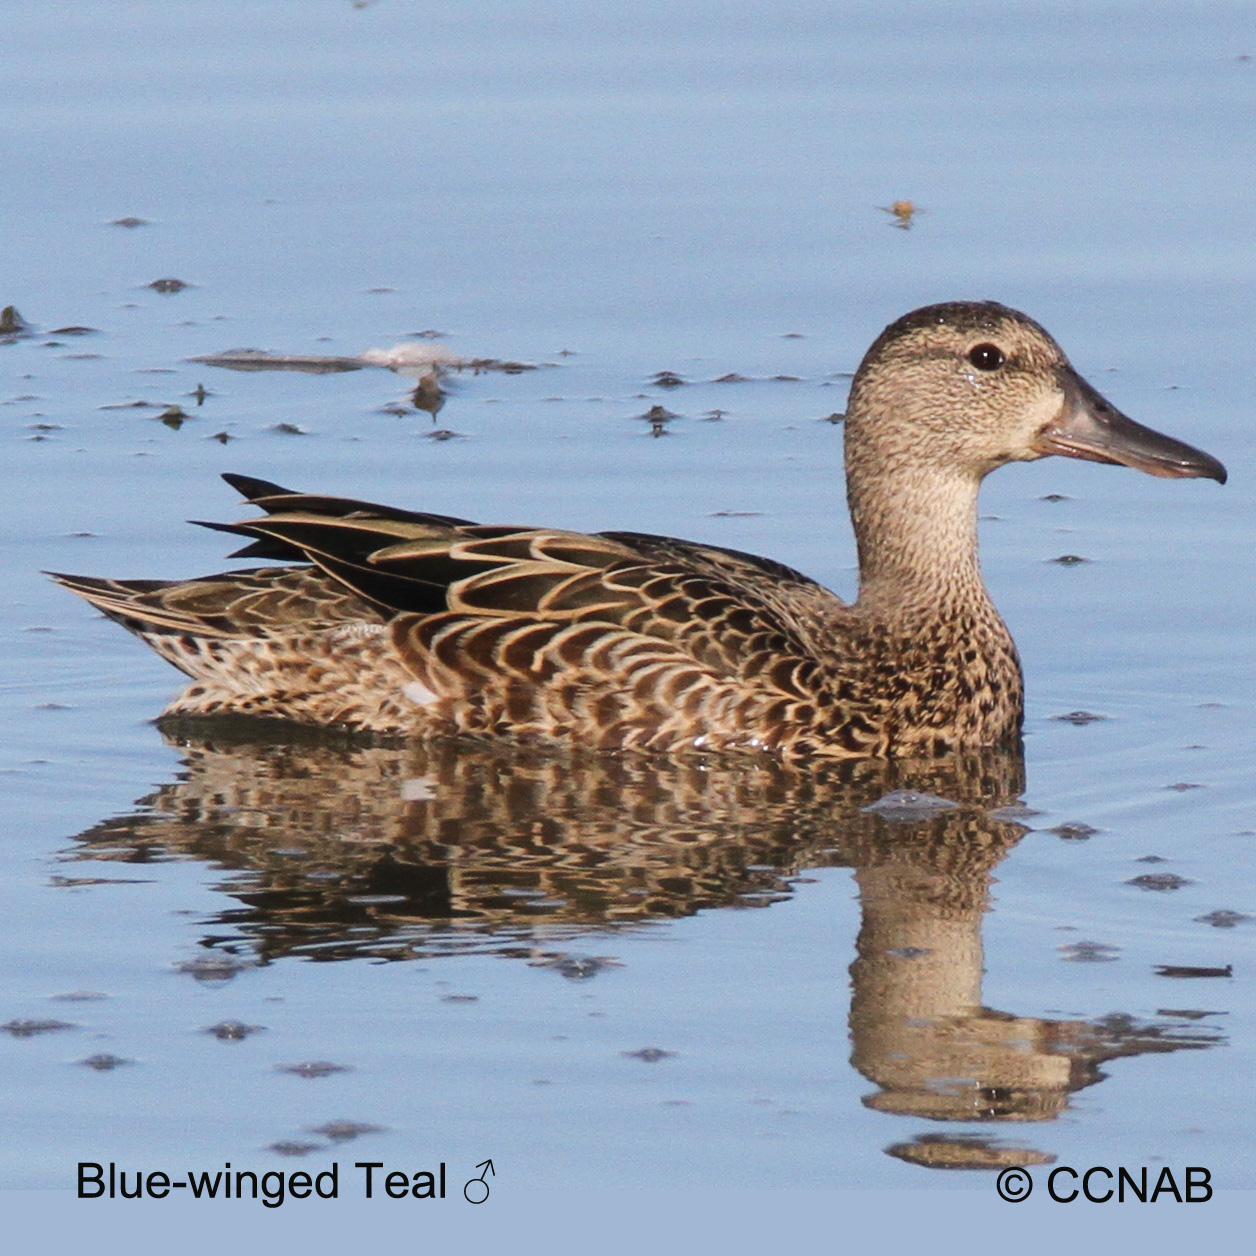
[(407, 623)]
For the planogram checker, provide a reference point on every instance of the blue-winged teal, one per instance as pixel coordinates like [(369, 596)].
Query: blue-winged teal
[(417, 624)]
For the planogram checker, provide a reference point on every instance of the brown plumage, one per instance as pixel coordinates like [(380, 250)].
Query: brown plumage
[(416, 624)]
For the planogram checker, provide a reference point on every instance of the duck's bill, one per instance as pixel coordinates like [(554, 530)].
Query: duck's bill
[(1089, 427)]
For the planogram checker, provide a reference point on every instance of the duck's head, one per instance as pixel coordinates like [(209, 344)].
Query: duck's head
[(971, 385)]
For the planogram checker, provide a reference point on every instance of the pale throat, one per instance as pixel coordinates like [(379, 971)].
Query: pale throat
[(916, 530)]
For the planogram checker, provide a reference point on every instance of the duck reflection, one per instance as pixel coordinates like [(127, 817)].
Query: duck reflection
[(337, 849)]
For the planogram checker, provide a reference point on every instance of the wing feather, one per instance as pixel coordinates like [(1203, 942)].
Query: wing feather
[(620, 639)]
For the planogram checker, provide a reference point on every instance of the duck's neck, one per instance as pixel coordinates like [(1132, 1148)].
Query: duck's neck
[(916, 529)]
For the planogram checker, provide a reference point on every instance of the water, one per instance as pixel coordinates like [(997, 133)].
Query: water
[(691, 188)]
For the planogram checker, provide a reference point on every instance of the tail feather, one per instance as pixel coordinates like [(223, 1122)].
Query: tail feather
[(251, 488), (137, 605)]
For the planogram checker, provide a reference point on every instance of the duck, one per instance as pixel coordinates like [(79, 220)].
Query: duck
[(408, 624)]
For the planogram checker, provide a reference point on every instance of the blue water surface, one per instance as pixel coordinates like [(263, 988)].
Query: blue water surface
[(606, 192)]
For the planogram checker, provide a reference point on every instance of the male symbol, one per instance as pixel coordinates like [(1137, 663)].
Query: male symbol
[(474, 1196)]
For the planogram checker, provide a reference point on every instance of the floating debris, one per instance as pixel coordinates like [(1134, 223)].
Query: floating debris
[(32, 1028), (428, 395), (1080, 717), (731, 378), (402, 358), (288, 429), (713, 416), (1089, 952), (234, 1030), (478, 365), (903, 212), (313, 1068), (1074, 831), (575, 967), (260, 360), (1223, 919), (1182, 786), (735, 514), (345, 1131), (1190, 970), (835, 418), (12, 324), (444, 433), (168, 285), (129, 222), (105, 1063), (213, 967), (906, 804), (174, 417), (294, 1148), (651, 1055), (667, 379), (1055, 497), (658, 414), (412, 357), (1159, 881), (1069, 560), (658, 417)]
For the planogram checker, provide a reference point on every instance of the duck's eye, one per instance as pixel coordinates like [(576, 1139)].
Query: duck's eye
[(986, 357)]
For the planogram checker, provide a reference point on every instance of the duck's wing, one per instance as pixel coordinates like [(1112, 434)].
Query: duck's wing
[(652, 638), (722, 605), (798, 600), (616, 639), (790, 594)]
